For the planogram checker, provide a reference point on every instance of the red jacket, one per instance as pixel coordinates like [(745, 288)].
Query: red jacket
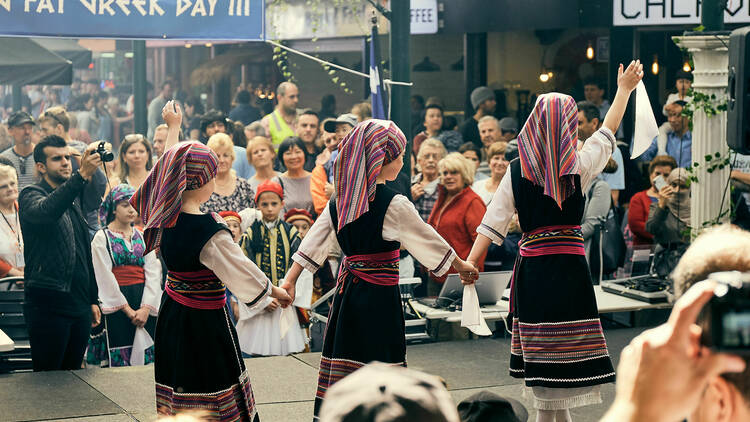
[(458, 223), (637, 217)]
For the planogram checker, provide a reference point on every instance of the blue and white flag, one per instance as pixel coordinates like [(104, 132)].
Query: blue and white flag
[(377, 91)]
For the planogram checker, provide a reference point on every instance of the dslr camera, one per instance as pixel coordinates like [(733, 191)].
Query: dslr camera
[(726, 322), (106, 156)]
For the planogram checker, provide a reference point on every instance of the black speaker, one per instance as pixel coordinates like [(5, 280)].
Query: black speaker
[(738, 107)]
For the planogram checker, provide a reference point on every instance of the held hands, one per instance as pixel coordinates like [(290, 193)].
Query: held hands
[(664, 371), (283, 297), (628, 79), (467, 270), (172, 114), (272, 306), (290, 289)]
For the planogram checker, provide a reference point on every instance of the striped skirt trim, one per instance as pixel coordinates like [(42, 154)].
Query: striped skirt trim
[(235, 403), (333, 370), (559, 342)]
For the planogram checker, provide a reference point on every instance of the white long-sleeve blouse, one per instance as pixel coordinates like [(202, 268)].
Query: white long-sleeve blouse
[(402, 223), (592, 158)]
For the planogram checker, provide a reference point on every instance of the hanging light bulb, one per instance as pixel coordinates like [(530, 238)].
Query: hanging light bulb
[(544, 77), (686, 66), (655, 65), (590, 52)]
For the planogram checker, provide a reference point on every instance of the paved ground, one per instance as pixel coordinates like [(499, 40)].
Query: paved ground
[(284, 386)]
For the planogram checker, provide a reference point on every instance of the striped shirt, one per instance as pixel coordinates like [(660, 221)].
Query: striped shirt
[(24, 166)]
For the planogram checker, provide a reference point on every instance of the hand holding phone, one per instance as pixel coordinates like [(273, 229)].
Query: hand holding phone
[(659, 183)]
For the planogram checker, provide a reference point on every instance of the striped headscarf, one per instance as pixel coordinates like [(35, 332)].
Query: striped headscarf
[(362, 154), (121, 192), (185, 166), (547, 146)]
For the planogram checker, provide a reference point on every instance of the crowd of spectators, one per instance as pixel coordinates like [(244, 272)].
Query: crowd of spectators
[(455, 169)]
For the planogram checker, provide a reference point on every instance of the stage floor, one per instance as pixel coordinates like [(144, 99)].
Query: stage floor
[(284, 386)]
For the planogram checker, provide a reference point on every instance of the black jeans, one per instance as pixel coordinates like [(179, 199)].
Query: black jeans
[(57, 342)]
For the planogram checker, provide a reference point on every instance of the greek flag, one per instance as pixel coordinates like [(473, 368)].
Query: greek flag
[(377, 91)]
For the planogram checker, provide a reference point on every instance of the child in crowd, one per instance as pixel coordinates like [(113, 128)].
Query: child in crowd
[(270, 243), (322, 281), (233, 221), (129, 284), (197, 362), (371, 223)]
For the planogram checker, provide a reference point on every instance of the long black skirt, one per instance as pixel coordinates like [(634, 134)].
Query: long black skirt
[(198, 364), (365, 324), (111, 342), (557, 338)]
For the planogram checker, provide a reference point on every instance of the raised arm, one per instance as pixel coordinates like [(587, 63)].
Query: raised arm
[(627, 80), (172, 115)]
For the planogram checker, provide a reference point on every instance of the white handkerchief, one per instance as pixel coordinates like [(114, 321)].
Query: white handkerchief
[(141, 342), (471, 315), (288, 318), (303, 290), (645, 122)]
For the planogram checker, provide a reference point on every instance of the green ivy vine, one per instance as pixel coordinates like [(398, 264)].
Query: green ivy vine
[(315, 9), (709, 104)]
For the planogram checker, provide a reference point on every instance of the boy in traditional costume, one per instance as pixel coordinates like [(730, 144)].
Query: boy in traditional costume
[(198, 363), (557, 345), (270, 243), (371, 222)]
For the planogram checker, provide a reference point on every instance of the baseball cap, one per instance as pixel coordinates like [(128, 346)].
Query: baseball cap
[(20, 118), (487, 406), (508, 124), (347, 118), (386, 393)]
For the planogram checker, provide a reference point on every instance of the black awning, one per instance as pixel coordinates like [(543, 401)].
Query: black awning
[(68, 49), (477, 16), (24, 62)]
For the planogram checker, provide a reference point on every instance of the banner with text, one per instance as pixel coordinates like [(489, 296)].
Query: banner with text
[(673, 12), (134, 19)]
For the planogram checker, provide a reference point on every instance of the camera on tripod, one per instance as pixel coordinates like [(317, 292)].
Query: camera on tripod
[(728, 313), (106, 156)]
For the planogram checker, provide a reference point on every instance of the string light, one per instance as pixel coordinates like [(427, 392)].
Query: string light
[(686, 66), (544, 77), (188, 45), (590, 52), (655, 65)]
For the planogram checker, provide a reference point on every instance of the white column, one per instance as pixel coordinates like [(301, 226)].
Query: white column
[(711, 61)]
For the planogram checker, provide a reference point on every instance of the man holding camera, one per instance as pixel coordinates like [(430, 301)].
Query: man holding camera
[(689, 368), (56, 121), (61, 294)]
